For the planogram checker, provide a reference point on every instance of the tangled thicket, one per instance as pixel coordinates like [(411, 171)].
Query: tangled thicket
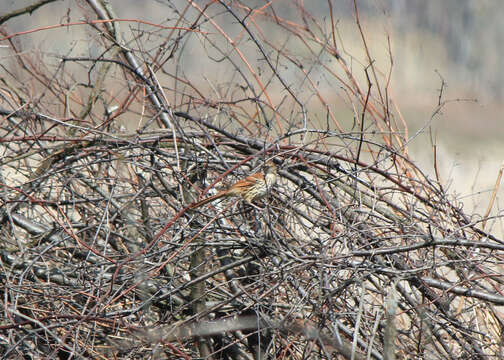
[(355, 252)]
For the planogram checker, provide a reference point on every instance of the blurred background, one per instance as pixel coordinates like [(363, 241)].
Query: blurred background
[(455, 41)]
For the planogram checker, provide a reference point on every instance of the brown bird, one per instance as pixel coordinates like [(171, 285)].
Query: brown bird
[(253, 187)]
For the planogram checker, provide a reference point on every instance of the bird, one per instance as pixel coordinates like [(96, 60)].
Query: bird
[(253, 187)]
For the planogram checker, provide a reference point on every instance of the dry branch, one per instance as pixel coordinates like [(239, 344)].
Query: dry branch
[(103, 257)]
